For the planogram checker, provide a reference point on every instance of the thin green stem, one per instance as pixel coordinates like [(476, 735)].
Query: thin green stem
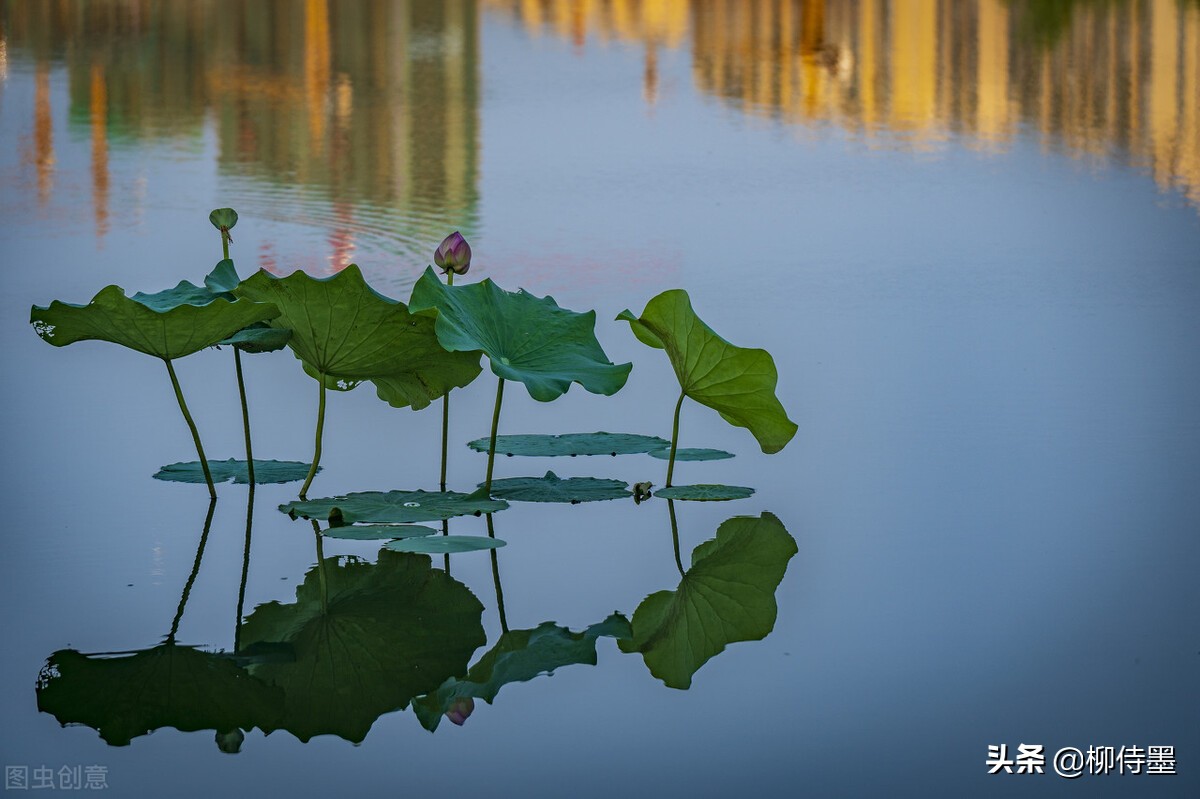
[(487, 483), (312, 470), (212, 491), (675, 536), (237, 360), (674, 440), (446, 410), (225, 244), (237, 632), (321, 566), (187, 588), (496, 578)]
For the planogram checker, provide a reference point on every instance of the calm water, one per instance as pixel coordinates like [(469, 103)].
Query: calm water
[(969, 232)]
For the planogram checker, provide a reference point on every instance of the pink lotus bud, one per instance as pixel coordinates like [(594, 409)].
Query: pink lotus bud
[(462, 707), (453, 254)]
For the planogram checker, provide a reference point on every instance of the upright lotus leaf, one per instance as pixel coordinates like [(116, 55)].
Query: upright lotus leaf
[(169, 685), (519, 656), (345, 332), (367, 638), (727, 595), (736, 382), (159, 325), (526, 338)]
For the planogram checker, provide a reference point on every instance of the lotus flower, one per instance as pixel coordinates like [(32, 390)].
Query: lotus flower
[(464, 705), (453, 254)]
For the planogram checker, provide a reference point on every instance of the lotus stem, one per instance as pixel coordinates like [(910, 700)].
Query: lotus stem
[(321, 566), (225, 244), (312, 470), (212, 491), (487, 483), (237, 630), (496, 578), (675, 536), (674, 440), (446, 417), (237, 361), (187, 588)]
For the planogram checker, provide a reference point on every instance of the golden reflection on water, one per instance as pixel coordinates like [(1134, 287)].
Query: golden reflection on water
[(362, 118), (1095, 77)]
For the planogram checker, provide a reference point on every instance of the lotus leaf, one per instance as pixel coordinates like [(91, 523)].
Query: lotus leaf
[(704, 492), (367, 638), (344, 332), (170, 685), (526, 338), (553, 488), (691, 454), (444, 544), (727, 595), (394, 507), (519, 656), (736, 382), (235, 471), (168, 334), (571, 444), (377, 532)]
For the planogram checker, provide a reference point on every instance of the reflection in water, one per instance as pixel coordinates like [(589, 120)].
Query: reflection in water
[(1094, 77), (358, 118)]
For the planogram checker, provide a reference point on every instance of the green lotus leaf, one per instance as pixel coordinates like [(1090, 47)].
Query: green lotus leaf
[(691, 454), (123, 697), (727, 595), (553, 488), (184, 293), (571, 444), (235, 471), (367, 638), (444, 544), (223, 218), (526, 338), (736, 382), (256, 339), (344, 333), (394, 507), (519, 656), (179, 330), (377, 532), (223, 279), (704, 492)]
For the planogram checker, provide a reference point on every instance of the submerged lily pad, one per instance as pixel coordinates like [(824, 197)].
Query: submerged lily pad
[(553, 488), (736, 382), (344, 332), (123, 697), (526, 338), (691, 454), (367, 638), (519, 656), (394, 507), (727, 595), (179, 330), (444, 544), (377, 532), (571, 444), (234, 470), (703, 492)]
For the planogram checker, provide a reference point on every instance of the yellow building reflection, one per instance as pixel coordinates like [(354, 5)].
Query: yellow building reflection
[(1094, 77)]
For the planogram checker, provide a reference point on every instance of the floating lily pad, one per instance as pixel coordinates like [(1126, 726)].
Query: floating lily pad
[(377, 532), (235, 471), (691, 454), (394, 507), (553, 488), (736, 382), (704, 493), (444, 544), (571, 444), (367, 638), (344, 332), (180, 330), (123, 697), (519, 656), (727, 595), (526, 338)]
